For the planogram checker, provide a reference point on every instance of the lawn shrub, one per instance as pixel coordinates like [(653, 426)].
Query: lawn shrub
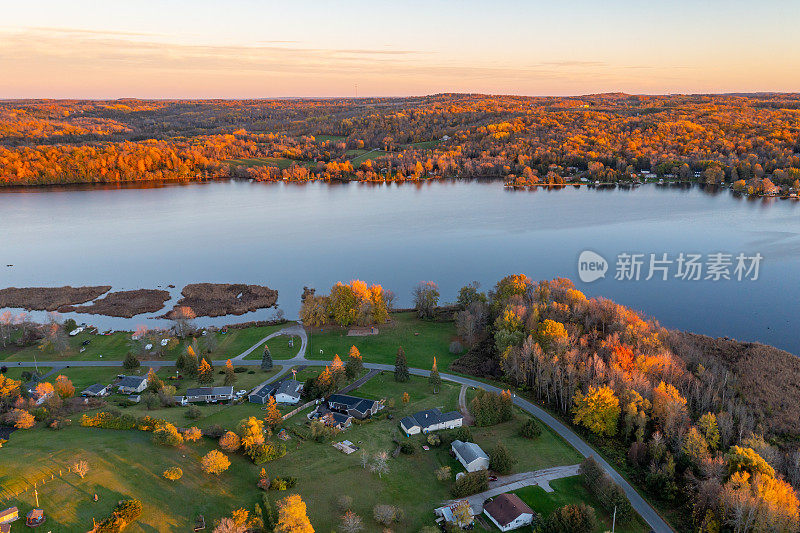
[(530, 429), (471, 483)]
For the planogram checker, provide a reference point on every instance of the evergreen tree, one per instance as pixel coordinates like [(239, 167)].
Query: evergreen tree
[(401, 366), (266, 360), (434, 379), (130, 362), (230, 375), (354, 365)]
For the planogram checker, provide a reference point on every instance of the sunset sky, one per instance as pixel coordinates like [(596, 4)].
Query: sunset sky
[(251, 48)]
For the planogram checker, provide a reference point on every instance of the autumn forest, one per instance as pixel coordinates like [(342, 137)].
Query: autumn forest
[(748, 141)]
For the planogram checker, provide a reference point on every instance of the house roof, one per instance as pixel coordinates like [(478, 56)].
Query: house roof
[(468, 451), (6, 514), (97, 388), (506, 508), (290, 386), (337, 418), (131, 382), (209, 391), (36, 514), (429, 417), (263, 390), (352, 402)]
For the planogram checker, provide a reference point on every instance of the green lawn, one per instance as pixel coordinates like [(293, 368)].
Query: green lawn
[(117, 345), (367, 154), (422, 340), (279, 162), (279, 348), (16, 372), (126, 464), (323, 138), (571, 490), (424, 144), (122, 464)]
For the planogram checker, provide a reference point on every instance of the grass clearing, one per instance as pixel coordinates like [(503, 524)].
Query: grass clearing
[(279, 162), (122, 464), (422, 340), (368, 154), (279, 348), (571, 490)]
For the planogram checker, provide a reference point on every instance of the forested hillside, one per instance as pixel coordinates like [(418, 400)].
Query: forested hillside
[(751, 141)]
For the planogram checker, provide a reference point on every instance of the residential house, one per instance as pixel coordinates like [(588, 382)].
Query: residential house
[(470, 455), (95, 390), (9, 515), (209, 394), (35, 518), (288, 391), (33, 394), (431, 420), (508, 512), (132, 384), (359, 408), (336, 420), (261, 393)]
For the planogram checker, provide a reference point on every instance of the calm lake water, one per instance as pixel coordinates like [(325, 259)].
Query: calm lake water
[(287, 236)]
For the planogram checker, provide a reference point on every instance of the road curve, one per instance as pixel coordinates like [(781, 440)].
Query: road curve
[(653, 519)]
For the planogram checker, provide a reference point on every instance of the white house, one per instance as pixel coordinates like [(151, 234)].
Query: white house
[(431, 420), (209, 394), (470, 455), (95, 390), (132, 384), (288, 391), (508, 512)]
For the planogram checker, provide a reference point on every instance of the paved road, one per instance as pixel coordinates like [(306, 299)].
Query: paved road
[(356, 384), (296, 329), (518, 481), (644, 509)]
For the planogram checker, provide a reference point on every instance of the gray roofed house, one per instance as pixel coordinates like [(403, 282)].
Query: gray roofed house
[(470, 455), (336, 420), (95, 390), (261, 393), (288, 391), (132, 384), (431, 420), (209, 394), (354, 406)]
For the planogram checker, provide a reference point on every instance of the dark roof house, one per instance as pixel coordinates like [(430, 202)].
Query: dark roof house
[(95, 390), (431, 420), (352, 405), (209, 394), (508, 512), (130, 384)]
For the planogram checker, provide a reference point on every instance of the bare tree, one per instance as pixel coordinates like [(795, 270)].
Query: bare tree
[(364, 460), (229, 525), (351, 523), (380, 464), (81, 468), (384, 514)]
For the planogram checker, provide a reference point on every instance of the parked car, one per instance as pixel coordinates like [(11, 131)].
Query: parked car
[(492, 478)]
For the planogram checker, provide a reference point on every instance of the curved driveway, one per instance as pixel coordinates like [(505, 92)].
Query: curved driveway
[(644, 509)]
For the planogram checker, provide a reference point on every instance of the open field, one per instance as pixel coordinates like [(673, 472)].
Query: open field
[(279, 348), (357, 159), (122, 464), (421, 341), (126, 464), (261, 161), (571, 490), (117, 345)]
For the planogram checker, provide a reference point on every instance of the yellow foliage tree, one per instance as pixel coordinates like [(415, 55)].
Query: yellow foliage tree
[(215, 462), (292, 516), (64, 387), (598, 410)]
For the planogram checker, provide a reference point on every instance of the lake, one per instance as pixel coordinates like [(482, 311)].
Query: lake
[(288, 236)]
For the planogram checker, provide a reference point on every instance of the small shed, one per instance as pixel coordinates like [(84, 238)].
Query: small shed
[(35, 518)]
